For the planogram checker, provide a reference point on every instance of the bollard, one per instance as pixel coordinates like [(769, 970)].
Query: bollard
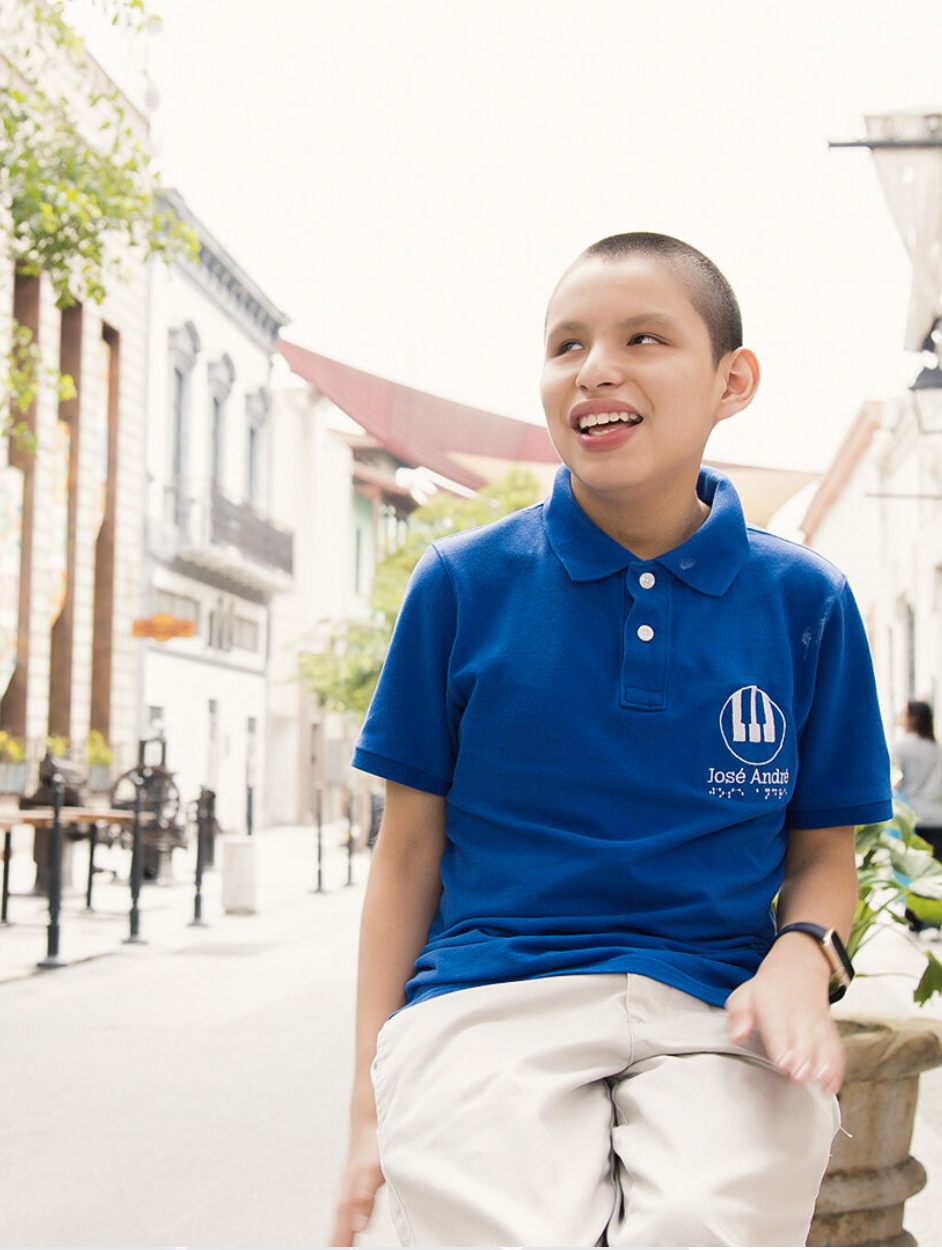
[(137, 862), (320, 840), (7, 854), (52, 959), (249, 809), (239, 876), (350, 840), (92, 844), (203, 816)]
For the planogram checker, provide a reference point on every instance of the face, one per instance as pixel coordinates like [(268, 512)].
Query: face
[(630, 387)]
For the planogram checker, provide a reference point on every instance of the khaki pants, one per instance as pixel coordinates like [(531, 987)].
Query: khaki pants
[(591, 1110)]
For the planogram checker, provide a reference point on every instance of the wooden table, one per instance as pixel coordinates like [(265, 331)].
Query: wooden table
[(45, 818)]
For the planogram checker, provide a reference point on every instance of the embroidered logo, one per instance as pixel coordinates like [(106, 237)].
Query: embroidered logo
[(753, 727)]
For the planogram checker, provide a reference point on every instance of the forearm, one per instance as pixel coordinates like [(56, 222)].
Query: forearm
[(787, 1000), (820, 886), (402, 895), (820, 882)]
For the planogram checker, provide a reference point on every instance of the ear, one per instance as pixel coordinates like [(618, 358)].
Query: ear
[(740, 372)]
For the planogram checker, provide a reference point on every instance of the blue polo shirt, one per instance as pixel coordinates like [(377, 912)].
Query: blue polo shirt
[(623, 743)]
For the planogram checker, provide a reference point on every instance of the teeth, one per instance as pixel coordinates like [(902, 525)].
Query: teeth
[(606, 418)]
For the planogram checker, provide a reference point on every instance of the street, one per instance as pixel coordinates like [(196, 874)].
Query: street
[(192, 1091)]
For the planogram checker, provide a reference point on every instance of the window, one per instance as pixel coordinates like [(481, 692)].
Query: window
[(178, 424), (251, 466), (212, 744), (181, 606), (184, 348), (217, 435), (245, 633), (906, 618), (221, 378), (256, 412)]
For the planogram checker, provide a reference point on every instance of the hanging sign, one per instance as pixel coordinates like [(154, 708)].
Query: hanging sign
[(163, 626)]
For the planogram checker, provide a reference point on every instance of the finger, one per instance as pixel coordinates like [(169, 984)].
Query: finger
[(830, 1063), (740, 1014), (342, 1234), (347, 1227), (814, 1052)]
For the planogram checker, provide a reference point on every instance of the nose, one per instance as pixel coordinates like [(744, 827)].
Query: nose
[(600, 368)]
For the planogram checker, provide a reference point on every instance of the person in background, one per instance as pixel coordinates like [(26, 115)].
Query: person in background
[(919, 759)]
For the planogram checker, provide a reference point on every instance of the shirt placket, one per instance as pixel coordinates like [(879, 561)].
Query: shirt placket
[(645, 647)]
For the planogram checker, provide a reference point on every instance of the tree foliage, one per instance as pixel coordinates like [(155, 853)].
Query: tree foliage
[(78, 192), (344, 674)]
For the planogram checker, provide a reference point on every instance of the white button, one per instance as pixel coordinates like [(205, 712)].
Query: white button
[(647, 580), (645, 633)]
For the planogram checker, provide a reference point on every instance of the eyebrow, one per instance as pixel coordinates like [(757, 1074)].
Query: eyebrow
[(654, 320)]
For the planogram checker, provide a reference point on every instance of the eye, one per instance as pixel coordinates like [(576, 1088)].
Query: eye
[(644, 338), (566, 346)]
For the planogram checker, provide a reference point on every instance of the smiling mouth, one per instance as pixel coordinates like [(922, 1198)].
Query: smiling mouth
[(603, 421)]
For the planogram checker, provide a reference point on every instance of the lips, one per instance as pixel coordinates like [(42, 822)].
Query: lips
[(600, 420), (595, 418)]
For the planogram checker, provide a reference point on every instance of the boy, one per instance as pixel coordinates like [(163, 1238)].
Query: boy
[(613, 727)]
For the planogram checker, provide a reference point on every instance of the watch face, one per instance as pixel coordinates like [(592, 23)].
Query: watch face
[(842, 970), (840, 960)]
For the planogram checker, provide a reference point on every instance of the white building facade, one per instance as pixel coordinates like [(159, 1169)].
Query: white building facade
[(878, 510), (71, 511), (340, 486), (213, 554), (878, 516)]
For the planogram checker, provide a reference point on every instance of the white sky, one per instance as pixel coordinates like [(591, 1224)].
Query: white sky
[(407, 180)]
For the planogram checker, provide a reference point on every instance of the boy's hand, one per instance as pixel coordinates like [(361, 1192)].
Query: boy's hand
[(787, 1003), (362, 1178)]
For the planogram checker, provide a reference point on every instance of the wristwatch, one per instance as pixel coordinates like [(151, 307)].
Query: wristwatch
[(842, 970)]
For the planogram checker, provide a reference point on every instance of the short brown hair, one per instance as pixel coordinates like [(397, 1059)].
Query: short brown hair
[(710, 292)]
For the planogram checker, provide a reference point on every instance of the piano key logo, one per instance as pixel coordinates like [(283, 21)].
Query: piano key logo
[(753, 727)]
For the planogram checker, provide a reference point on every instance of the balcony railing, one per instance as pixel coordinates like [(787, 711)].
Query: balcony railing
[(204, 527), (238, 525)]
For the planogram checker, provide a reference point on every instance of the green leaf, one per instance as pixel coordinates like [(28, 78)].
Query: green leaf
[(69, 187), (928, 910), (930, 982)]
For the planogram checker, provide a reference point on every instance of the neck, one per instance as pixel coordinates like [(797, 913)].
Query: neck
[(647, 526)]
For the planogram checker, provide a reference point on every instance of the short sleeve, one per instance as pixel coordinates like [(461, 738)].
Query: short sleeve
[(844, 767), (410, 731)]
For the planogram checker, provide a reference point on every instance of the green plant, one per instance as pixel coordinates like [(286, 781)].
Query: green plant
[(896, 870), (12, 749), (78, 191), (99, 752)]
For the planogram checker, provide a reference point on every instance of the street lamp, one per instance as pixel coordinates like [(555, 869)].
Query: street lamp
[(926, 390)]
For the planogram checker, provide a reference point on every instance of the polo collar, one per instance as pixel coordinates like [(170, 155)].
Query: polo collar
[(708, 561)]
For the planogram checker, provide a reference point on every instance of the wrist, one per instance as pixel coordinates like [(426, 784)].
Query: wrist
[(800, 956), (363, 1104), (833, 957)]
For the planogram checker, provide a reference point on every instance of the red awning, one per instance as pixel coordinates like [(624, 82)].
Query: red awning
[(418, 428)]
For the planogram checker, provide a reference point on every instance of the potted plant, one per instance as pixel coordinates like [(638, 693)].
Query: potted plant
[(12, 764), (99, 763), (871, 1173)]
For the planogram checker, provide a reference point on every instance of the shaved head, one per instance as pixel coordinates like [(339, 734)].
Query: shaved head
[(710, 293)]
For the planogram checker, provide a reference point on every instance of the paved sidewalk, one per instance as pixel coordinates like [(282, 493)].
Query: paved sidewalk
[(286, 870), (193, 1089)]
